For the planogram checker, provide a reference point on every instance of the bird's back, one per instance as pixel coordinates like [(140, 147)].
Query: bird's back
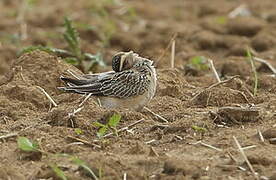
[(130, 88)]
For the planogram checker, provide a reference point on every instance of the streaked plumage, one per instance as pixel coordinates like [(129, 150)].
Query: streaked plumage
[(131, 85)]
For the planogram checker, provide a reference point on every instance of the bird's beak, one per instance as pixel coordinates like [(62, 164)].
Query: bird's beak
[(127, 55)]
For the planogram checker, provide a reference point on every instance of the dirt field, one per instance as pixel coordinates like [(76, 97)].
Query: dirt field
[(203, 117)]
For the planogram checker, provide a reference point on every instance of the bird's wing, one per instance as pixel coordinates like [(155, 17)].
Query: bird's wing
[(97, 76), (122, 84)]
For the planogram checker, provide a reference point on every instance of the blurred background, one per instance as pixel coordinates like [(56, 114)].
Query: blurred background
[(218, 28), (198, 107)]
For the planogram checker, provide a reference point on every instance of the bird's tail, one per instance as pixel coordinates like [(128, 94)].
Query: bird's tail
[(80, 86), (74, 82)]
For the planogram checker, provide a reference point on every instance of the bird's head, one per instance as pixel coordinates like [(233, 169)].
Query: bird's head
[(126, 60)]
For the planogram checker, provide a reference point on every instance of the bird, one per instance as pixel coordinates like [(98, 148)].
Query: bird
[(131, 85)]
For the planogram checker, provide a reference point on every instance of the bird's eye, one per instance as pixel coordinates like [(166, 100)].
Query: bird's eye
[(116, 60)]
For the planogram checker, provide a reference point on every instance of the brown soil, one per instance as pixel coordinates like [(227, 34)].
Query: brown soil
[(196, 108)]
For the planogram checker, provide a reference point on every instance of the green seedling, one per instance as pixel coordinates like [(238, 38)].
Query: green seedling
[(59, 173), (199, 63), (250, 57), (78, 131), (72, 38), (131, 14), (32, 2), (26, 145), (83, 61), (199, 129), (221, 20), (102, 129), (111, 125), (83, 165), (34, 48), (83, 26)]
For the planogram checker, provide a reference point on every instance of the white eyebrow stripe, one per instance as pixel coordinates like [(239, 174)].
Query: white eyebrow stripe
[(122, 62)]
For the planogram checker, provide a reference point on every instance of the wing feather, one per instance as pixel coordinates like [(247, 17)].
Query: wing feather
[(123, 84), (120, 84)]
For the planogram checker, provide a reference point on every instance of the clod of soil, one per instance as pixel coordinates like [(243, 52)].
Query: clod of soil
[(9, 172), (237, 115), (206, 9), (7, 54), (260, 159), (207, 40), (238, 50), (271, 18), (37, 69), (269, 133), (236, 66), (263, 41), (245, 26), (266, 82), (174, 167), (171, 83), (219, 96)]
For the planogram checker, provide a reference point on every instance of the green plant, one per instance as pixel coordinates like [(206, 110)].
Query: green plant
[(131, 14), (111, 125), (59, 173), (32, 2), (199, 129), (83, 26), (75, 56), (83, 165), (221, 20), (34, 48), (249, 55), (72, 38), (78, 131), (27, 145), (199, 63)]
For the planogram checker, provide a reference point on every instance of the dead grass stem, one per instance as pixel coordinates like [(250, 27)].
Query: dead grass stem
[(156, 115), (173, 53), (48, 96), (214, 69), (165, 50), (125, 128), (245, 158)]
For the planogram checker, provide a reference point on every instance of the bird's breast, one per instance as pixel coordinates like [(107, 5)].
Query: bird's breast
[(131, 103)]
